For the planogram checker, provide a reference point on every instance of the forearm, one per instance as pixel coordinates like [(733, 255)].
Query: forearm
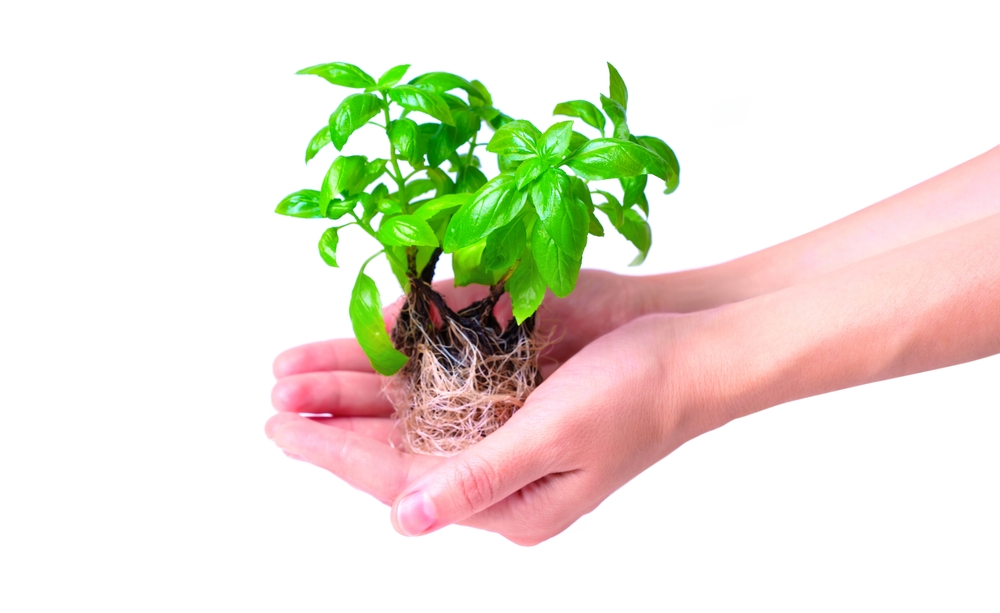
[(927, 305), (964, 194)]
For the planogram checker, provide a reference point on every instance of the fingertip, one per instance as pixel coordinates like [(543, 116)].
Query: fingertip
[(286, 395), (273, 424)]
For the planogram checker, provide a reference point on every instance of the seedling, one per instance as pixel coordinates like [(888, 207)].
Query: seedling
[(459, 375)]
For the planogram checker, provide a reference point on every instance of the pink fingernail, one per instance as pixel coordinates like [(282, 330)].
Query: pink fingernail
[(415, 514), (294, 456)]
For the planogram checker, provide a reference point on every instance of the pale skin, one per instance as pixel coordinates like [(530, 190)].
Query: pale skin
[(645, 364)]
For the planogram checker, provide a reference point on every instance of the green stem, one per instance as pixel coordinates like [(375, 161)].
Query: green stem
[(392, 150)]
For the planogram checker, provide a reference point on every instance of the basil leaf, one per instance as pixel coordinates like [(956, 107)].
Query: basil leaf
[(442, 182), (369, 327), (612, 208), (634, 189), (617, 114), (495, 204), (609, 158), (515, 140), (581, 192), (499, 120), (406, 230), (317, 142), (637, 231), (595, 228), (559, 270), (433, 207), (529, 170), (554, 142), (417, 187), (354, 111), (665, 152), (392, 76), (504, 246), (442, 142), (466, 263), (586, 111), (564, 217), (339, 73), (328, 246), (416, 99), (338, 208), (403, 135), (467, 124), (482, 96), (442, 82), (344, 173), (470, 179), (617, 89), (577, 140), (526, 287), (303, 203)]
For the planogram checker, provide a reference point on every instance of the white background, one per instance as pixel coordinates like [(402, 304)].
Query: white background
[(147, 285)]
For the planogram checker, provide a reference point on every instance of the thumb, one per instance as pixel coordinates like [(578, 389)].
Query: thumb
[(479, 477)]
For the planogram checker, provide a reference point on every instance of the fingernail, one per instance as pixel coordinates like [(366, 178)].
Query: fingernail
[(294, 456), (415, 514)]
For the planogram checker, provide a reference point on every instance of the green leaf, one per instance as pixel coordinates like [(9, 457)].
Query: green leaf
[(320, 140), (618, 91), (338, 208), (612, 208), (442, 142), (406, 230), (515, 140), (559, 270), (339, 73), (369, 327), (416, 99), (442, 182), (617, 114), (482, 96), (470, 179), (404, 137), (595, 226), (417, 187), (581, 192), (586, 111), (495, 204), (577, 140), (554, 142), (344, 173), (373, 170), (504, 246), (466, 264), (529, 170), (526, 287), (303, 203), (442, 82), (392, 76), (665, 152), (637, 231), (433, 207), (609, 158), (499, 120), (328, 246), (354, 111), (634, 189), (564, 217)]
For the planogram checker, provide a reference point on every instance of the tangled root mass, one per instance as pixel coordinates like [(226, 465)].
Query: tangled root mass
[(466, 376)]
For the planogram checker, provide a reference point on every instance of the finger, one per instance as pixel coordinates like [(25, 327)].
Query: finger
[(338, 354), (486, 473), (369, 466), (338, 393), (380, 429)]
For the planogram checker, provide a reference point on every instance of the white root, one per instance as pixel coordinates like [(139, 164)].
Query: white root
[(447, 402)]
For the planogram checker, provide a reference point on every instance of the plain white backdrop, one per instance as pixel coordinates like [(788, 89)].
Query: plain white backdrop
[(147, 285)]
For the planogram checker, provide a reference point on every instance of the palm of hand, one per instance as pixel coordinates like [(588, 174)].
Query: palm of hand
[(551, 482)]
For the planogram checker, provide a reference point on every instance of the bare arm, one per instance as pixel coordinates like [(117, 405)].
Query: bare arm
[(966, 193)]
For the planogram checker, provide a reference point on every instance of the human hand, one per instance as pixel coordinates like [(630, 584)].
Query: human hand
[(604, 416)]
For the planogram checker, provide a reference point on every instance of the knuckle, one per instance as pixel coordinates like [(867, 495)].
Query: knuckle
[(475, 484)]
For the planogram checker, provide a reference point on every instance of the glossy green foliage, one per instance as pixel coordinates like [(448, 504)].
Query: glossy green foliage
[(526, 227), (369, 327)]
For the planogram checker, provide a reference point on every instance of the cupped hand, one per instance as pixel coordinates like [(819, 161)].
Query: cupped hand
[(610, 411)]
